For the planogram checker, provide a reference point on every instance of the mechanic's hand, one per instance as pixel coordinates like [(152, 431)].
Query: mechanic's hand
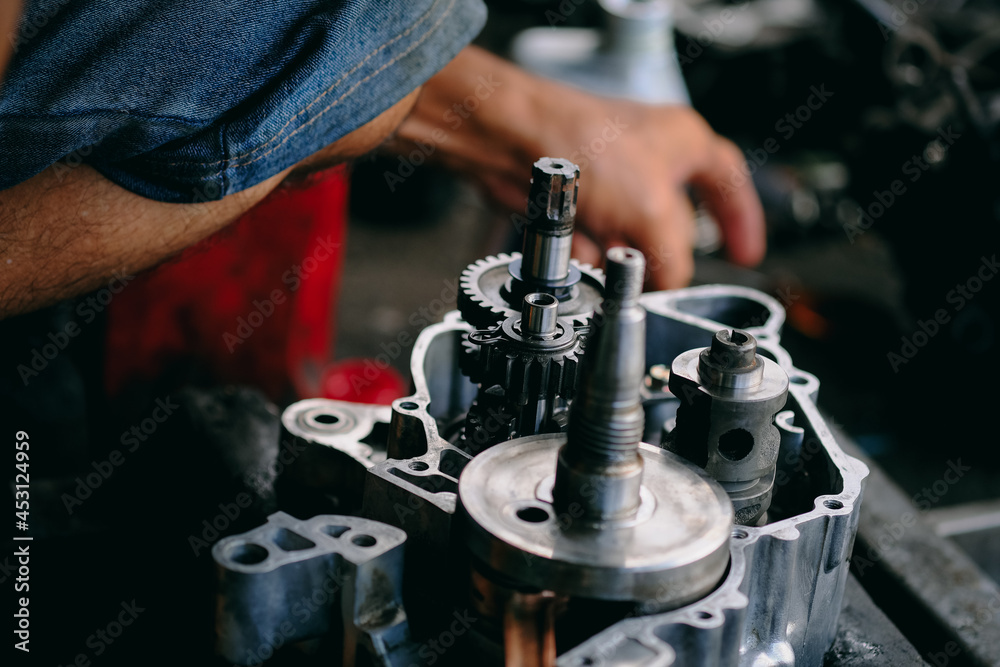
[(492, 121)]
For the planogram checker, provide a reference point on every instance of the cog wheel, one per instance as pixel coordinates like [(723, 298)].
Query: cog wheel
[(525, 369), (485, 295)]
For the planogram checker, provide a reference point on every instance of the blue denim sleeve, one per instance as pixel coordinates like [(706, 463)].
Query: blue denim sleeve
[(192, 100)]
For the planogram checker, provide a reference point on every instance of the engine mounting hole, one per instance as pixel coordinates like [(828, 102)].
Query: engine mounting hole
[(408, 405), (532, 514), (704, 615), (419, 466), (833, 504), (740, 534), (326, 419), (248, 553), (364, 540), (798, 379)]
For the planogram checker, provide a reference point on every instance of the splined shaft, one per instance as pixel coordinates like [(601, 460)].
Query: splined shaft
[(551, 212), (600, 470)]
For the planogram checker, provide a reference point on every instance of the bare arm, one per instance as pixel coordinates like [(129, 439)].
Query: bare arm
[(63, 234)]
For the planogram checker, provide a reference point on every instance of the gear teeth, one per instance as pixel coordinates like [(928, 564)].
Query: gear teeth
[(480, 312), (525, 374), (475, 307)]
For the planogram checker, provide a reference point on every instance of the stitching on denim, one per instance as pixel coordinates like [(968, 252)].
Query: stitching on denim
[(105, 112), (424, 17), (354, 87)]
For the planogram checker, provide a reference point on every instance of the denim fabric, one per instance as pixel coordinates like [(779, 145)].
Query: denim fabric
[(188, 100)]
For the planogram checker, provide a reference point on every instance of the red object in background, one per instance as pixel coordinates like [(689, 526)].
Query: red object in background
[(254, 303)]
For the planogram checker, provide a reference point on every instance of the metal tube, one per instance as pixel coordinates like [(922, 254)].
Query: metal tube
[(540, 314), (599, 468)]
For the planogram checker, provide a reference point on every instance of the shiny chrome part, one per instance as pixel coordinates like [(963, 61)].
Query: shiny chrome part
[(619, 520), (728, 397)]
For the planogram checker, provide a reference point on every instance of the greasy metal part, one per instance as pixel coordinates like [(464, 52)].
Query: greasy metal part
[(728, 396), (494, 289), (925, 583), (599, 469), (539, 317), (329, 447), (673, 551), (779, 601), (486, 297), (617, 521), (291, 580), (781, 594), (551, 213), (526, 369), (529, 632), (975, 527)]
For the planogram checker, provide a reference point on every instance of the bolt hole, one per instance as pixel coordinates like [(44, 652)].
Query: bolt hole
[(248, 553), (364, 540), (833, 504), (335, 531), (587, 662), (532, 514), (739, 338), (418, 466), (736, 444), (703, 615), (740, 534), (798, 379), (327, 419), (408, 405), (541, 299), (558, 165)]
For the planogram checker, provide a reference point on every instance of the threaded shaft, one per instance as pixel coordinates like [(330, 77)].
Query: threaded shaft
[(606, 418)]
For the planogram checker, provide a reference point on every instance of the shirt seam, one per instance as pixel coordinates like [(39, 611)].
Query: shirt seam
[(106, 112), (327, 91), (351, 91)]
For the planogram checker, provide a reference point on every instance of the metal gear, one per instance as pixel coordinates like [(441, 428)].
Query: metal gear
[(526, 368), (488, 295)]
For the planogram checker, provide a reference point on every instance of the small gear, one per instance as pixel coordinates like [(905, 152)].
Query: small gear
[(488, 291), (526, 369)]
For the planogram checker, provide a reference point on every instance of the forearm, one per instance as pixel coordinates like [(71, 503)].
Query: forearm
[(66, 234)]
